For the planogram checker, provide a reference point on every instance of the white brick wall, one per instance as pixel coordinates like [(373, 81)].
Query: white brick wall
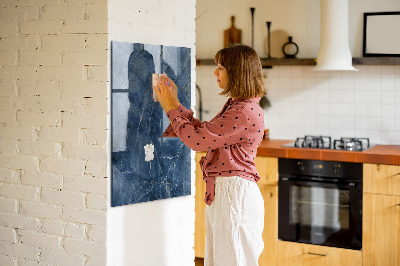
[(53, 121)]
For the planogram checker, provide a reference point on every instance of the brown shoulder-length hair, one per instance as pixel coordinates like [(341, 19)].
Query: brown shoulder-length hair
[(245, 78)]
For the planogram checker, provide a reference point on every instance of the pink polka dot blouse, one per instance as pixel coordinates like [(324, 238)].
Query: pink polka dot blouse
[(231, 139)]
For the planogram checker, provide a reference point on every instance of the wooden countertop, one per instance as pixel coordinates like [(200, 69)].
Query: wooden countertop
[(379, 154)]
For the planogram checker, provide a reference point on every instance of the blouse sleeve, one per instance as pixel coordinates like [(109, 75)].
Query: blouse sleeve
[(225, 130), (186, 113)]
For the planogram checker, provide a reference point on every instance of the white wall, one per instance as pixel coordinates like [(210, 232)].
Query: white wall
[(338, 104), (299, 18), (158, 232)]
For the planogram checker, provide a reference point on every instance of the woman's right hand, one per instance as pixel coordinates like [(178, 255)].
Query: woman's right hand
[(174, 90)]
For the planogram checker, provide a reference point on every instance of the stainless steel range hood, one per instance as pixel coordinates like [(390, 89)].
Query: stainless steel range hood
[(334, 51)]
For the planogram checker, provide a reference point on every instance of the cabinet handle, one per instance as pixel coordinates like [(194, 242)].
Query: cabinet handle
[(318, 254)]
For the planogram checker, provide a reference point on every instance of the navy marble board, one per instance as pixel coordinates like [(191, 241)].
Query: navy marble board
[(146, 167)]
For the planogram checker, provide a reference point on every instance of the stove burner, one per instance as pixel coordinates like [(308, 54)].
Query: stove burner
[(322, 142), (351, 144)]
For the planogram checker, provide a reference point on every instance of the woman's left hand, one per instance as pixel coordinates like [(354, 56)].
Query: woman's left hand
[(163, 90)]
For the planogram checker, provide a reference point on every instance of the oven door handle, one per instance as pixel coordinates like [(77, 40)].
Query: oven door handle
[(297, 181)]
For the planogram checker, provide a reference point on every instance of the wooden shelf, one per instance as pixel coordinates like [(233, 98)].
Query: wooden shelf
[(312, 61), (376, 61)]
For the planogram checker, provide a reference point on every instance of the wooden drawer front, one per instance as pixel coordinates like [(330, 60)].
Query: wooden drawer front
[(267, 168), (381, 230), (381, 179), (297, 254)]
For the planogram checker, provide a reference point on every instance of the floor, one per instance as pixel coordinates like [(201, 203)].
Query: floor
[(199, 262)]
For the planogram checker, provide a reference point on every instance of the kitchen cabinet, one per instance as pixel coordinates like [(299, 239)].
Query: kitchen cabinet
[(200, 207), (381, 230), (270, 233), (298, 254), (267, 167), (381, 179), (381, 215)]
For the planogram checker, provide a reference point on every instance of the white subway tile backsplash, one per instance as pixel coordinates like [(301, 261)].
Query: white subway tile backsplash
[(388, 84), (284, 83), (335, 122), (348, 133), (374, 97), (361, 110), (286, 120), (361, 123), (397, 96), (397, 110), (375, 136), (347, 110), (374, 84), (389, 136), (388, 124), (374, 123), (347, 122), (334, 109), (297, 83), (285, 132), (334, 81), (360, 133), (387, 72), (322, 95), (335, 95), (322, 121), (374, 70), (338, 104), (348, 96), (297, 72), (347, 77), (360, 97), (388, 110), (310, 109), (397, 72), (374, 111), (322, 109), (308, 72), (388, 97), (360, 79), (297, 97)]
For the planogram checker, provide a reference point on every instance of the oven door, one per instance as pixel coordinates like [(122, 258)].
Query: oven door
[(321, 212)]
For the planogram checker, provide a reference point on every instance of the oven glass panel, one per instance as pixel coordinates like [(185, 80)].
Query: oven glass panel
[(317, 208)]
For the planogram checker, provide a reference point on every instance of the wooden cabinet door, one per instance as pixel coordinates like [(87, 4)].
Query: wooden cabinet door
[(297, 254), (381, 179), (270, 233), (267, 168), (381, 230), (200, 207)]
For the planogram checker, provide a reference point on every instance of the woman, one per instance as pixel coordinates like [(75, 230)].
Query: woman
[(235, 207)]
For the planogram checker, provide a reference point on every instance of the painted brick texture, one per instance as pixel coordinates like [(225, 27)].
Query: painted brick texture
[(53, 132)]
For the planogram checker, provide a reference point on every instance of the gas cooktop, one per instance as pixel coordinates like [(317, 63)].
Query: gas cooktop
[(325, 142)]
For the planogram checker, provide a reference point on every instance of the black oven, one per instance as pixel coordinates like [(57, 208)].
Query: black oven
[(320, 202)]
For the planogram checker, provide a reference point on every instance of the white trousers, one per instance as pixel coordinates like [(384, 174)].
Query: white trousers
[(234, 223)]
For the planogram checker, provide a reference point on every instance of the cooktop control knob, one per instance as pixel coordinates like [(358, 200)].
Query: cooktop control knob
[(302, 167), (337, 169)]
